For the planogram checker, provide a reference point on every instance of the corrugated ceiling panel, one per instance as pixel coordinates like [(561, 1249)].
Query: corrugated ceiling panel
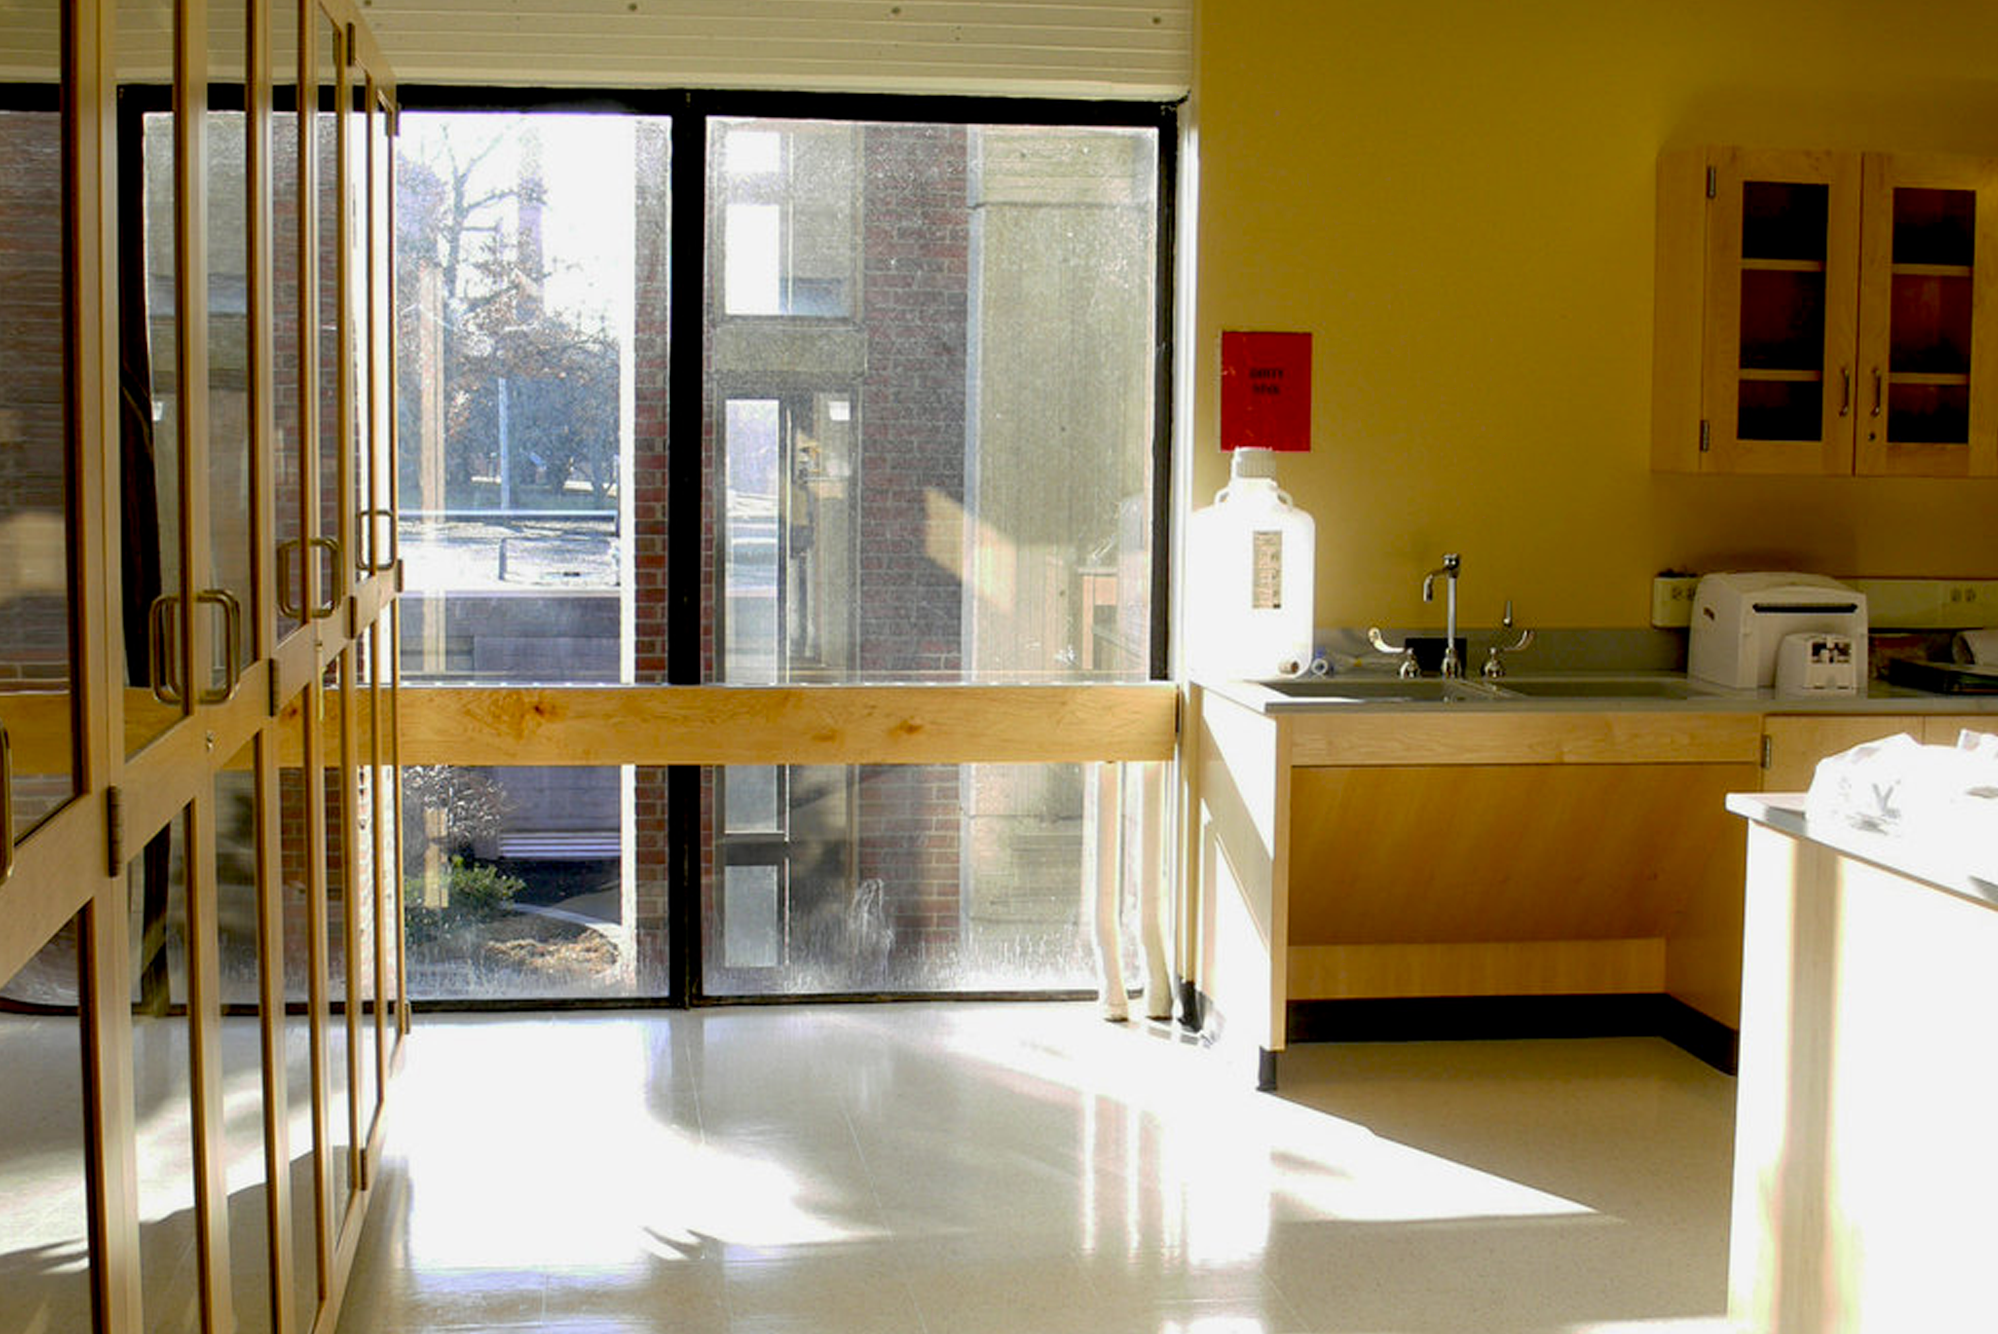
[(1127, 48)]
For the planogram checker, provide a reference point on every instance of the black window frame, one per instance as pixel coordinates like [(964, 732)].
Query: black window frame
[(689, 210)]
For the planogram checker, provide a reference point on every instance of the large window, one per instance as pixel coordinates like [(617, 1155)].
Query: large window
[(883, 411)]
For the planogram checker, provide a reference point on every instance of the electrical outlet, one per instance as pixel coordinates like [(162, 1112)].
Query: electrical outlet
[(1672, 600)]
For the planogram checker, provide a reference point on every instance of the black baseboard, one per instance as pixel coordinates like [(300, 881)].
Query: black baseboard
[(1447, 1018)]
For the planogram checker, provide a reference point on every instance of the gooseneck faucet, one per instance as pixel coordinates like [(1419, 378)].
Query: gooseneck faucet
[(1452, 664)]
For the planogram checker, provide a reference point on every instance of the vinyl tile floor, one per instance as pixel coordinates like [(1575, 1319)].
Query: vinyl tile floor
[(1027, 1168)]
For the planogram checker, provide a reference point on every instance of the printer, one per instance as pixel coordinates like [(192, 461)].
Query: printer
[(1740, 623)]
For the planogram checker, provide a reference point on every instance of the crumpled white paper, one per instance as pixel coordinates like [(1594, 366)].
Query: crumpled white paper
[(1942, 798)]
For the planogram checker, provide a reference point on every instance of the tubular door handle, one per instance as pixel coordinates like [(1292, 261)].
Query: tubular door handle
[(232, 640), (369, 519), (6, 805), (158, 633), (1879, 399), (1845, 390), (331, 546), (287, 565)]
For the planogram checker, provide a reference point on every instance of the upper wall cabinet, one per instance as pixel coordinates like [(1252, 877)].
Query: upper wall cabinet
[(1815, 313)]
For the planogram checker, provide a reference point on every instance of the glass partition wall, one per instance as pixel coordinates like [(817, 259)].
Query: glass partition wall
[(801, 405), (197, 948)]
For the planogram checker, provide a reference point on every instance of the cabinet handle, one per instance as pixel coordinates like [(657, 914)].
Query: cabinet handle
[(370, 525), (287, 563), (6, 805), (1879, 397), (232, 640), (331, 546), (159, 632), (1844, 390)]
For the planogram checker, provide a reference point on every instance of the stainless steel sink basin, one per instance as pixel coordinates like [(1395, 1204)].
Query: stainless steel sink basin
[(1372, 689), (1599, 686)]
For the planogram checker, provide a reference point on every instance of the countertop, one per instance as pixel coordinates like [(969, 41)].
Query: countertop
[(1595, 694), (1905, 856)]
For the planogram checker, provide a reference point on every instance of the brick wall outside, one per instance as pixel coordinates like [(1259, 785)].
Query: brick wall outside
[(34, 629)]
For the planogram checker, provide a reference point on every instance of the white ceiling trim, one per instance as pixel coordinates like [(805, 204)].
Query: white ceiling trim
[(1099, 48)]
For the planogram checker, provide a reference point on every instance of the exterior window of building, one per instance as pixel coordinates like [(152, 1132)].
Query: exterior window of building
[(925, 450)]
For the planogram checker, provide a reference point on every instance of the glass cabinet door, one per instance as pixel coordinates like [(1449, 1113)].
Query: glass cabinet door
[(37, 688), (1926, 383), (1782, 262), (225, 596), (152, 609)]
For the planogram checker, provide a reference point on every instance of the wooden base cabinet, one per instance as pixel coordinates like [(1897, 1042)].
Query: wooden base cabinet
[(1815, 313)]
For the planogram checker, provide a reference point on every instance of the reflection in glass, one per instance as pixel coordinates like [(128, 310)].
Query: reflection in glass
[(916, 878), (327, 212), (514, 884), (45, 1226), (149, 373), (294, 881), (288, 268), (938, 465), (162, 1085), (340, 1045), (228, 401), (239, 921), (530, 275), (36, 690)]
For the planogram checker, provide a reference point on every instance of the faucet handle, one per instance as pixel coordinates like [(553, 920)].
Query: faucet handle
[(1494, 668), (1407, 670)]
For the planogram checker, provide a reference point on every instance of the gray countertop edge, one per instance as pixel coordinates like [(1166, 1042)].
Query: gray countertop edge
[(1880, 698), (1784, 813)]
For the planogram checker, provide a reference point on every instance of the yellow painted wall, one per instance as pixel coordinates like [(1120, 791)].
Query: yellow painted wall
[(1456, 198)]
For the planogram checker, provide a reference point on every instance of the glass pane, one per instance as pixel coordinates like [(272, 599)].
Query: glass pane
[(362, 898), (1784, 220), (1928, 414), (238, 914), (952, 480), (354, 143), (294, 850), (530, 268), (389, 788), (227, 181), (921, 879), (1930, 324), (340, 1045), (381, 397), (517, 882), (149, 373), (328, 392), (37, 704), (287, 425), (44, 1163), (162, 1088), (1780, 410), (1782, 320), (1935, 226)]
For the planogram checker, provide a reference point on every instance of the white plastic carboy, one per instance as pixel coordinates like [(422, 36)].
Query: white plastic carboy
[(1250, 560)]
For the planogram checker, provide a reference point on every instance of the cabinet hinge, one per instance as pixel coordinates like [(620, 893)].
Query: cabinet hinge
[(1768, 752), (1713, 183), (1706, 435), (114, 828)]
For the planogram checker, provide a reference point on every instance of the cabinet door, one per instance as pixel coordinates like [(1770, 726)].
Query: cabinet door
[(1929, 253), (1778, 384), (1943, 731), (1793, 745)]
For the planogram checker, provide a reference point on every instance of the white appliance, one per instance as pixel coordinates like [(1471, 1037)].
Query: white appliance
[(1741, 620), (1816, 663)]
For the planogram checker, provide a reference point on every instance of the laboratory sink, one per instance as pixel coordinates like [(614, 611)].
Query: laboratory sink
[(1587, 685), (1375, 689)]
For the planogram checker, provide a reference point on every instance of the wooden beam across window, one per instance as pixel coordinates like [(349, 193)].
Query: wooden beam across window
[(845, 724)]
